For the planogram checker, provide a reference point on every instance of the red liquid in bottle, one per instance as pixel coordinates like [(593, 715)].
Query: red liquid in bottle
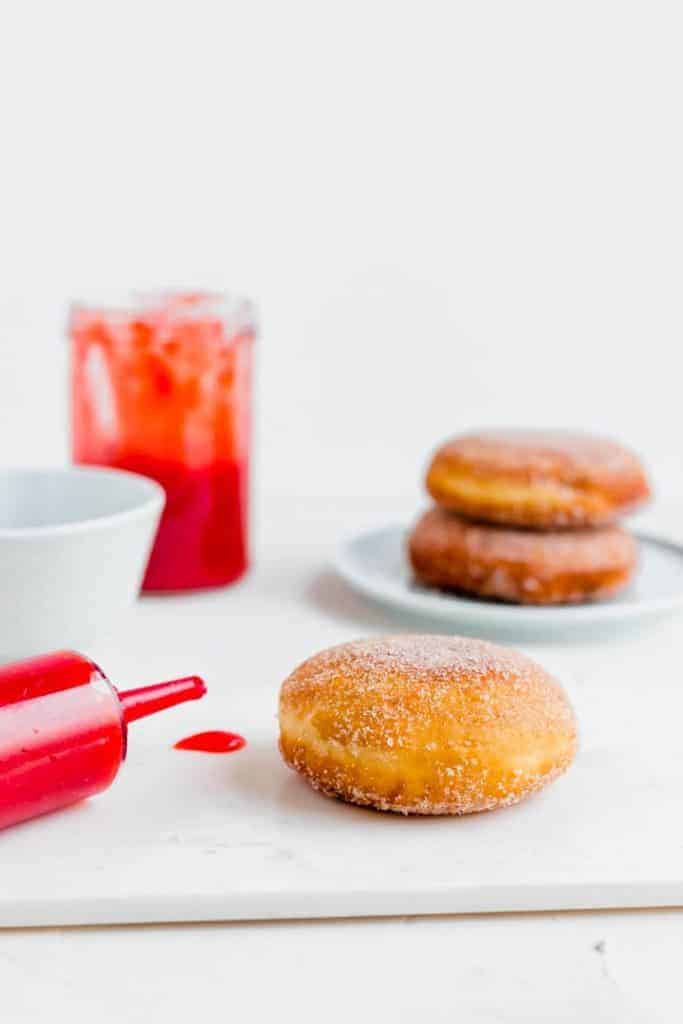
[(163, 389), (63, 730), (61, 735)]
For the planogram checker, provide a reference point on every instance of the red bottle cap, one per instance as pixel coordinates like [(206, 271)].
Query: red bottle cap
[(64, 728)]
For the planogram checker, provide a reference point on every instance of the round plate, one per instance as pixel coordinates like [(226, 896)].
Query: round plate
[(375, 563)]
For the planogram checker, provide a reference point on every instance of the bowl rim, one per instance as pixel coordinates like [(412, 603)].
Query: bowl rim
[(153, 500)]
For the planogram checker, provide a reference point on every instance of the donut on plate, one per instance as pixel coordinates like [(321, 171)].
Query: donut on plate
[(536, 478), (425, 724), (521, 566)]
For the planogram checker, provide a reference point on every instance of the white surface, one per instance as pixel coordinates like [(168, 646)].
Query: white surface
[(493, 968), (190, 836), (74, 544), (450, 214), (375, 563), (478, 970), (534, 968)]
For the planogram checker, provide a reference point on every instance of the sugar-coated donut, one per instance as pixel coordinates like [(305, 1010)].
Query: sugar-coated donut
[(425, 724), (522, 566), (536, 478)]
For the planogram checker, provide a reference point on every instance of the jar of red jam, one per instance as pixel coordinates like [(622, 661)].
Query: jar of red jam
[(161, 385)]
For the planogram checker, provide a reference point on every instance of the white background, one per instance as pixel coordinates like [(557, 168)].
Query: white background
[(449, 214)]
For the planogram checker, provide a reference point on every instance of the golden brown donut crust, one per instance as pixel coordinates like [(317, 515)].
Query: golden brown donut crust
[(521, 566), (425, 724), (541, 479)]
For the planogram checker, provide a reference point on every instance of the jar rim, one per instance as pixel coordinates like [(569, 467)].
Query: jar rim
[(236, 312)]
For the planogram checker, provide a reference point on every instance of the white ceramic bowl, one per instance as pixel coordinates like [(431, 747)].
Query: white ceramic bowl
[(74, 545)]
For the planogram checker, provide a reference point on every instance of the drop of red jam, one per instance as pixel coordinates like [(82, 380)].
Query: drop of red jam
[(213, 742)]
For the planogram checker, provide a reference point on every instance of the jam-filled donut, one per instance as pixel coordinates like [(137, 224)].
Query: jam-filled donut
[(425, 724), (536, 478), (522, 566)]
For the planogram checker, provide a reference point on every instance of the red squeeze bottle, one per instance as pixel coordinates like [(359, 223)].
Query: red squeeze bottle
[(64, 730)]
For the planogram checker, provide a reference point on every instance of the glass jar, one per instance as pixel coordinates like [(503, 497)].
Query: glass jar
[(161, 385)]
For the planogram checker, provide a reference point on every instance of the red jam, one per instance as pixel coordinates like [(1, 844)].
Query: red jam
[(61, 734), (64, 728), (163, 389), (214, 742)]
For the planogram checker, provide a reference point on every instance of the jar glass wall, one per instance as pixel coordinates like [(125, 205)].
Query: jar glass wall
[(161, 385)]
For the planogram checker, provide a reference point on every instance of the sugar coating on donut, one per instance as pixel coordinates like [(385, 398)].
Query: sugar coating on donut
[(550, 567), (537, 478), (587, 549), (543, 452), (425, 724)]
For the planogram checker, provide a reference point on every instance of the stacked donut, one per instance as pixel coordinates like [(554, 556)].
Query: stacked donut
[(529, 517)]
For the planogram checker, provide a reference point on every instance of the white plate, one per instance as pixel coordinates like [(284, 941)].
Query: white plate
[(375, 564)]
